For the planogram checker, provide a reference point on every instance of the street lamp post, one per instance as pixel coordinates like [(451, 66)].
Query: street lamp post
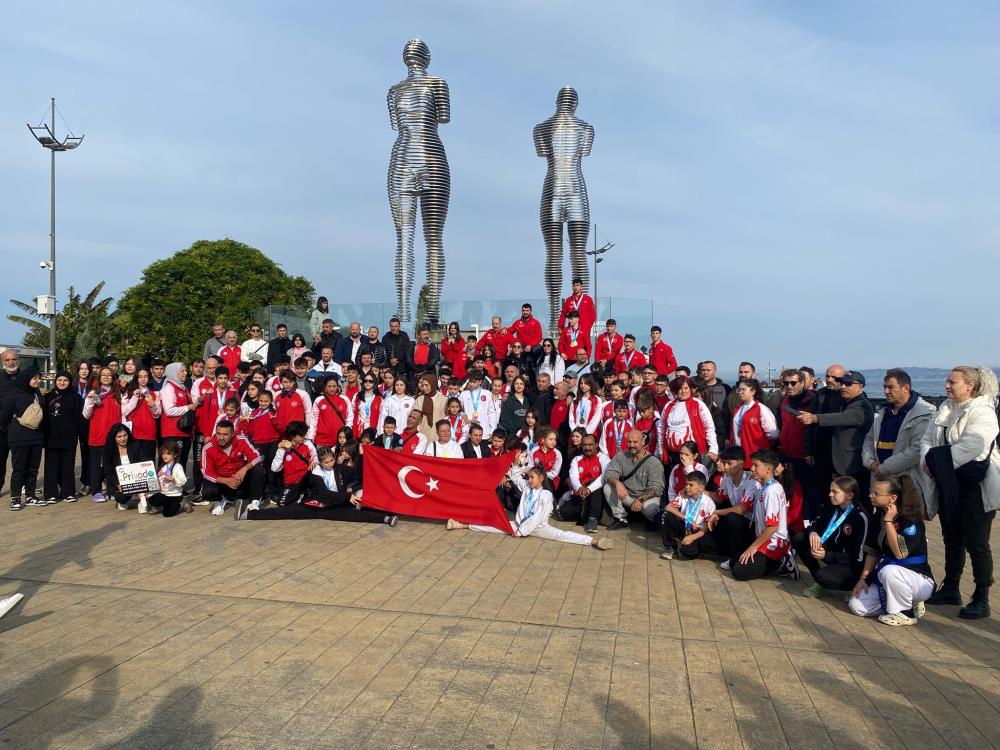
[(46, 136), (597, 252)]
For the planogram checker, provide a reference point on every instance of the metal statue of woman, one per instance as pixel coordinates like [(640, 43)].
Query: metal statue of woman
[(564, 140), (418, 169)]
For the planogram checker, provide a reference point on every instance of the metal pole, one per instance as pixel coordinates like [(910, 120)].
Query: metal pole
[(52, 255), (595, 272)]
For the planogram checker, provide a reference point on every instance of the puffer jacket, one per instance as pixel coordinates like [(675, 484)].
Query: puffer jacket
[(970, 428)]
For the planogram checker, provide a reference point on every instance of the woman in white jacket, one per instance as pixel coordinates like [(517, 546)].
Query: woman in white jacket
[(532, 517), (958, 451)]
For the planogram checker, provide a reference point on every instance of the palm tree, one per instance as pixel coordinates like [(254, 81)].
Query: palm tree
[(83, 326)]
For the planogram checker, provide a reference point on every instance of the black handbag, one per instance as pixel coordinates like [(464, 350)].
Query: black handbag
[(974, 472), (185, 422)]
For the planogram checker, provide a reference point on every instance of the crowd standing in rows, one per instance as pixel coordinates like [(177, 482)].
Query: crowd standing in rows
[(600, 432)]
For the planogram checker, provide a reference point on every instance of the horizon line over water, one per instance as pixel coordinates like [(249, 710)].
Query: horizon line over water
[(873, 389)]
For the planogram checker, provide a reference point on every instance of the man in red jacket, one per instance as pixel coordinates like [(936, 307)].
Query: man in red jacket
[(232, 469), (609, 345), (629, 357), (498, 336), (581, 303), (526, 329), (573, 338), (661, 356)]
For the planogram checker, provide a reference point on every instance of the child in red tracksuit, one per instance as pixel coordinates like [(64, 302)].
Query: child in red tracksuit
[(258, 424), (295, 458)]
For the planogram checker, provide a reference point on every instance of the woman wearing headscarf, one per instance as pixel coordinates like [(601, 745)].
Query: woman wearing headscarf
[(63, 414), (21, 415), (959, 452), (431, 405), (175, 402)]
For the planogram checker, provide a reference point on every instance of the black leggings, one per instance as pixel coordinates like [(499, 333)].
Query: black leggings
[(96, 468), (170, 504)]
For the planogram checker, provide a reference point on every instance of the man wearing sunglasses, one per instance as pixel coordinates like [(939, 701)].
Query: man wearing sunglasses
[(796, 439)]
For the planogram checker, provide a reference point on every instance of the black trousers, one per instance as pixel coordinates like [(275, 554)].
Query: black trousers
[(582, 508), (24, 463), (835, 575), (252, 487), (673, 531), (198, 441), (965, 530), (147, 450), (739, 535), (4, 454), (60, 481), (273, 485), (97, 469), (305, 512), (84, 460), (170, 504), (812, 493)]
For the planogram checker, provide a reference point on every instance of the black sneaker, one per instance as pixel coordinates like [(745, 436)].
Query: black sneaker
[(15, 503), (592, 526), (34, 502), (618, 524)]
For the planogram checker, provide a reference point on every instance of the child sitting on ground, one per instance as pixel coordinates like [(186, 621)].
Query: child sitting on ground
[(685, 520)]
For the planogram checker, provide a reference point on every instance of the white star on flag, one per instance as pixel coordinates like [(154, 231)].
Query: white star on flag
[(432, 484)]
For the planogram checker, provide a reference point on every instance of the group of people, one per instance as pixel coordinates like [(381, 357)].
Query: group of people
[(598, 433)]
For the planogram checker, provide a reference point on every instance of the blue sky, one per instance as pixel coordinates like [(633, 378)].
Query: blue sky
[(794, 182)]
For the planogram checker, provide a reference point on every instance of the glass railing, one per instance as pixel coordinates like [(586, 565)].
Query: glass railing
[(633, 315)]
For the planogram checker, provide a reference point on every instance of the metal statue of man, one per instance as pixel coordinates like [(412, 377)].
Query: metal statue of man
[(563, 140), (418, 174)]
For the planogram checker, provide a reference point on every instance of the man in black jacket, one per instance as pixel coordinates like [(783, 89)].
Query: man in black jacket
[(397, 345), (828, 401), (849, 427), (423, 355), (8, 379), (278, 346), (474, 447)]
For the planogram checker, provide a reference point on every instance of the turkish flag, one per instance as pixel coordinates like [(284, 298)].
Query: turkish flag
[(429, 487)]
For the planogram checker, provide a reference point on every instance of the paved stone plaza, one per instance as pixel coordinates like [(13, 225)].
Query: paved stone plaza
[(199, 632)]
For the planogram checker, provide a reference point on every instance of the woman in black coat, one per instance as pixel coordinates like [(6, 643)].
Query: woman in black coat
[(63, 415), (25, 442), (119, 450)]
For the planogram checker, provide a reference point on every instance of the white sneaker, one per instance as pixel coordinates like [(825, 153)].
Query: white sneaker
[(254, 505), (122, 506), (142, 505), (8, 603), (219, 508), (725, 565)]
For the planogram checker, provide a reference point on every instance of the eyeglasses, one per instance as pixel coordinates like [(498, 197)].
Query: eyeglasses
[(368, 382), (517, 346), (791, 382)]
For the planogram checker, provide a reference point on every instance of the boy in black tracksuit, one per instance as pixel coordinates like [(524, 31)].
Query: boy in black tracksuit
[(63, 414), (843, 549)]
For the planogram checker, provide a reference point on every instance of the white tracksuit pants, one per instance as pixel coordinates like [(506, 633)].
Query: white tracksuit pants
[(903, 588), (544, 531)]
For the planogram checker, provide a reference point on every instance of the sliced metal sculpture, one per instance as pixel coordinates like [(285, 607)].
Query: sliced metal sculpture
[(418, 174), (563, 140)]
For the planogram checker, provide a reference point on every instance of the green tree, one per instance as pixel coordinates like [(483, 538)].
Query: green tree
[(170, 312), (422, 304), (82, 326)]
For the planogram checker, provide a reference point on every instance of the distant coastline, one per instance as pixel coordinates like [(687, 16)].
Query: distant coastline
[(927, 381)]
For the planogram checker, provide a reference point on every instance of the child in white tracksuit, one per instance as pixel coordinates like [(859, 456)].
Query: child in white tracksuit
[(532, 517)]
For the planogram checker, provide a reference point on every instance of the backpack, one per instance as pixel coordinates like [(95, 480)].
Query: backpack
[(31, 417)]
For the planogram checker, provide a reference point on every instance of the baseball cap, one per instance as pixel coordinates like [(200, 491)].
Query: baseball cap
[(851, 377)]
